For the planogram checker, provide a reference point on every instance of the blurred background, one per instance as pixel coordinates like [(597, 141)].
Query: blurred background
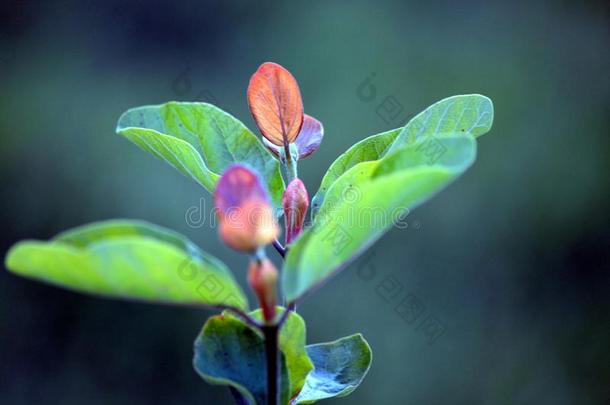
[(509, 266)]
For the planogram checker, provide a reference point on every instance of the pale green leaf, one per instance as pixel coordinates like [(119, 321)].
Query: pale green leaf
[(366, 201), (471, 114), (178, 153), (369, 149), (201, 141), (128, 259)]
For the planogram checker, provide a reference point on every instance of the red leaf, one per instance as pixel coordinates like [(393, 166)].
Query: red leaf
[(275, 103)]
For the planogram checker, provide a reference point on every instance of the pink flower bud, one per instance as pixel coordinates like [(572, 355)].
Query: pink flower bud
[(243, 209), (295, 202), (262, 277)]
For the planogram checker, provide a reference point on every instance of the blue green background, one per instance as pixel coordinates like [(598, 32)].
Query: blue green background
[(510, 264)]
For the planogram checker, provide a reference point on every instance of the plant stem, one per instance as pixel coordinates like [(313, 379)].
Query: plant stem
[(288, 167), (291, 308), (272, 354), (292, 170), (287, 150), (280, 249), (244, 316)]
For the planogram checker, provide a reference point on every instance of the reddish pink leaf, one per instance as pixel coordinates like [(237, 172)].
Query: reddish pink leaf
[(275, 102), (307, 141), (310, 136)]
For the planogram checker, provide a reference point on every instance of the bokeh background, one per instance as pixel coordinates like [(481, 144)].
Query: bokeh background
[(511, 263)]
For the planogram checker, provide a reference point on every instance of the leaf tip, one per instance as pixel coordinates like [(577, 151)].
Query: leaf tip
[(15, 255)]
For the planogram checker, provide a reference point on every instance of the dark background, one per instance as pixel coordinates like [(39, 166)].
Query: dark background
[(512, 260)]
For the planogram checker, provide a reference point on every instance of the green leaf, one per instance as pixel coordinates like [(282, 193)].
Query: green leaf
[(452, 151), (471, 113), (366, 201), (200, 140), (230, 352), (339, 368), (128, 259), (369, 149)]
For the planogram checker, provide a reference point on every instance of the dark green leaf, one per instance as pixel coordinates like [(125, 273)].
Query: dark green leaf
[(339, 368), (292, 344), (229, 352)]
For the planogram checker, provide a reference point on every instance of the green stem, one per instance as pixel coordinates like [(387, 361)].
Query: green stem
[(272, 355), (289, 167), (292, 170)]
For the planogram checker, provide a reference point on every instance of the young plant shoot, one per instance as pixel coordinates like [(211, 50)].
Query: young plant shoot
[(262, 355)]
